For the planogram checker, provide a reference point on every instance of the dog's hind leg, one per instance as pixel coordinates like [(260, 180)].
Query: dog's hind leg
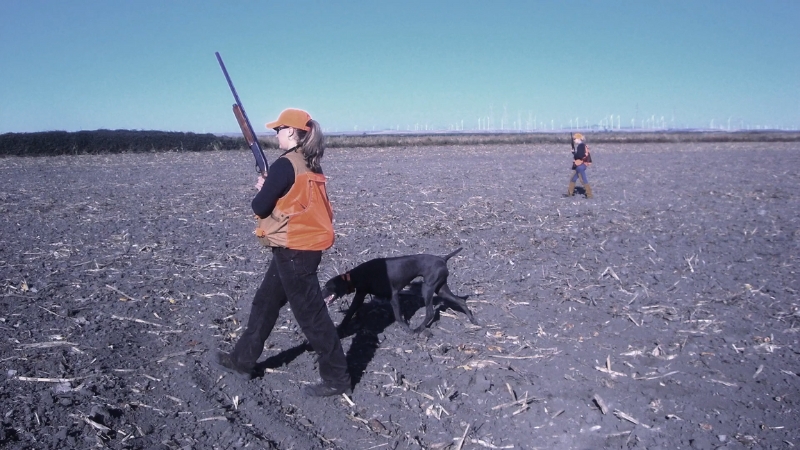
[(398, 317), (427, 295), (445, 293)]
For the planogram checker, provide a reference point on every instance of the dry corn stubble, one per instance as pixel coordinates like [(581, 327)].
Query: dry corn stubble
[(675, 286)]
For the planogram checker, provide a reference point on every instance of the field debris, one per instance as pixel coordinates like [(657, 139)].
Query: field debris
[(667, 303)]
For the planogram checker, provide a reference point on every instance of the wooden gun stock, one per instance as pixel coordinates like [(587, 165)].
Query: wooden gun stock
[(248, 136)]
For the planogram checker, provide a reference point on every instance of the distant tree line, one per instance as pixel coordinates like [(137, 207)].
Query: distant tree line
[(518, 138), (131, 141), (112, 141)]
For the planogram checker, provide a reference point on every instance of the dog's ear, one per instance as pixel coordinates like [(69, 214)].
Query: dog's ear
[(349, 289)]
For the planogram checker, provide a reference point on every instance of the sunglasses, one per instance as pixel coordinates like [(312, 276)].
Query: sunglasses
[(279, 128)]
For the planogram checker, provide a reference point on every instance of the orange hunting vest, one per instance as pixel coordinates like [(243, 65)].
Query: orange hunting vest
[(303, 218)]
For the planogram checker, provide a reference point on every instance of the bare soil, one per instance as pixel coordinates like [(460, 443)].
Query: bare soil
[(663, 313)]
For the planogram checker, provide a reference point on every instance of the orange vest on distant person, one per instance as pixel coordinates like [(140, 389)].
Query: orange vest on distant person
[(303, 218)]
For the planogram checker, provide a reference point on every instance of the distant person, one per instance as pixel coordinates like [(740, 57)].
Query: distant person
[(581, 159), (296, 221)]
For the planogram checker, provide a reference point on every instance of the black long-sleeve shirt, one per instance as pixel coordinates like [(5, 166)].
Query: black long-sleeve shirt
[(580, 151), (277, 184)]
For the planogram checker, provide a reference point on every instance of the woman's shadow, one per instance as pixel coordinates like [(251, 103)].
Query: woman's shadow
[(369, 322)]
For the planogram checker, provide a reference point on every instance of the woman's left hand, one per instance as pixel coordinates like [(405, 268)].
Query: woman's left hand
[(260, 182)]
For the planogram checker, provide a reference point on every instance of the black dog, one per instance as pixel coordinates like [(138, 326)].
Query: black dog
[(385, 277)]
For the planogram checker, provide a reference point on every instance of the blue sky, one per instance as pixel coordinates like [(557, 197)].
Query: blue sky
[(364, 65)]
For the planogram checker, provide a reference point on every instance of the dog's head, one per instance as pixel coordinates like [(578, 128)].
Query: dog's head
[(336, 287)]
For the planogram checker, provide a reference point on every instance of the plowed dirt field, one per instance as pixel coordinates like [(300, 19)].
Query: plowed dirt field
[(663, 313)]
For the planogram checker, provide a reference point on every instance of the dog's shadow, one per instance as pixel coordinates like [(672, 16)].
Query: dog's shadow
[(369, 322)]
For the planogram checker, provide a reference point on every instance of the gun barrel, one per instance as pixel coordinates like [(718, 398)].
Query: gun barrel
[(244, 123)]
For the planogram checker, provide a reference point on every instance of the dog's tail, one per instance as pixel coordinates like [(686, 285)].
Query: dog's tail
[(453, 253)]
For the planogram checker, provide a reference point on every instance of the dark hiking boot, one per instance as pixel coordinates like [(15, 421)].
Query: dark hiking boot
[(588, 190), (325, 389), (571, 189), (226, 361)]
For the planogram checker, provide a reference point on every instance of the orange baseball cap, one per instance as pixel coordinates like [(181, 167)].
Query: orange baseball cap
[(295, 118)]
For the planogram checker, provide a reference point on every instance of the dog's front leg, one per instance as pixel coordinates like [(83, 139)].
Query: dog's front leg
[(358, 300)]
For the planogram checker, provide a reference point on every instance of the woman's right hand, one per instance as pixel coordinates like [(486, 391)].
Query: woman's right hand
[(260, 182)]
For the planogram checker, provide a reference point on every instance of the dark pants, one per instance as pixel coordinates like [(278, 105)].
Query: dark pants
[(292, 277)]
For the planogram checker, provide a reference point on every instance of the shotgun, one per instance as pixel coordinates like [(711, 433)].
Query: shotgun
[(244, 124), (572, 142)]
